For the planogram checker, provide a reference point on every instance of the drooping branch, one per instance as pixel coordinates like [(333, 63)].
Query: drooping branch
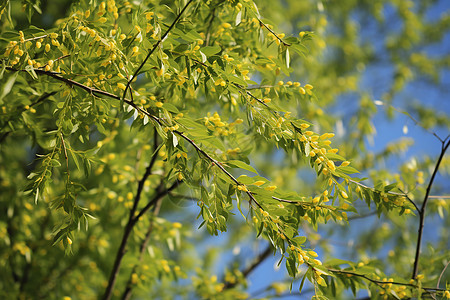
[(218, 164), (410, 200), (159, 121)]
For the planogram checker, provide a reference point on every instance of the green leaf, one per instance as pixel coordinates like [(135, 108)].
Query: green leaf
[(337, 262), (244, 179), (237, 80), (170, 107), (241, 165), (210, 50), (303, 280), (290, 266), (299, 240), (238, 200), (334, 156), (347, 170), (299, 48), (6, 88), (390, 187)]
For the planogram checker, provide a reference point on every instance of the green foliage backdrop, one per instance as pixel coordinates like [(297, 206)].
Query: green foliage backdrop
[(122, 122)]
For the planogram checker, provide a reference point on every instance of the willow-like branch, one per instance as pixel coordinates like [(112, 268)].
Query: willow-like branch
[(159, 121), (402, 194)]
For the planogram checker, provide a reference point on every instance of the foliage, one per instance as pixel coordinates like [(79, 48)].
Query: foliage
[(118, 115)]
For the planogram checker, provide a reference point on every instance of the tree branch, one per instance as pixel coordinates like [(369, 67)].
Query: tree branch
[(383, 283), (155, 199), (126, 234), (442, 274), (261, 23), (423, 208), (129, 287), (159, 121), (163, 37), (261, 257), (418, 123), (218, 164), (410, 200)]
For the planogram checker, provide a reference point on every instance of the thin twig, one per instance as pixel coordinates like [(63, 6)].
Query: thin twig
[(383, 283), (409, 199), (286, 201), (36, 38), (418, 123), (423, 208), (262, 24), (442, 273), (152, 202), (368, 187), (402, 194), (163, 37)]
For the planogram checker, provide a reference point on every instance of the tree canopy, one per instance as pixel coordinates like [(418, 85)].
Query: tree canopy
[(134, 134)]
